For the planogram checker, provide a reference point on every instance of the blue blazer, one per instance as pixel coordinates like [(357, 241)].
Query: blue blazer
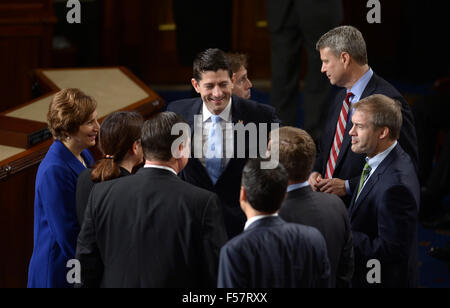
[(56, 226), (228, 185), (384, 223), (272, 253), (349, 164)]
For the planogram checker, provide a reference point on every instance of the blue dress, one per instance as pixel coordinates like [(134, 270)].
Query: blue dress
[(56, 226)]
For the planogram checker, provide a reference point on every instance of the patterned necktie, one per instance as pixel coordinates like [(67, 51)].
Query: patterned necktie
[(338, 136), (364, 175), (214, 152)]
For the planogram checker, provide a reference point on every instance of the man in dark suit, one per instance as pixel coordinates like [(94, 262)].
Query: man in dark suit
[(296, 25), (385, 205), (217, 119), (271, 253), (326, 212), (344, 60), (152, 229)]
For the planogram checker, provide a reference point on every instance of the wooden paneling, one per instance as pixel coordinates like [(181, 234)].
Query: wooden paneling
[(25, 44), (250, 35)]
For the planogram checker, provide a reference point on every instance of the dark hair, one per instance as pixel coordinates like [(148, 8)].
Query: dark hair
[(265, 188), (210, 60), (68, 110), (157, 137), (118, 132), (237, 60), (384, 112), (297, 152)]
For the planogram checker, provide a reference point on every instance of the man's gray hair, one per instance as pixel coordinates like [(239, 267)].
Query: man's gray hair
[(345, 39)]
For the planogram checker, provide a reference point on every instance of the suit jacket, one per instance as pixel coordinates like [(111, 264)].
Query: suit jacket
[(228, 185), (150, 229), (329, 215), (55, 221), (84, 188), (384, 222), (271, 253), (350, 164)]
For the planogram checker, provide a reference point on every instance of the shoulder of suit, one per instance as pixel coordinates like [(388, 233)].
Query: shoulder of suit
[(182, 104), (386, 88)]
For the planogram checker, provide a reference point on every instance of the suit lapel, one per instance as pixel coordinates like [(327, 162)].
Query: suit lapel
[(370, 88), (372, 181), (74, 164), (337, 110), (194, 163)]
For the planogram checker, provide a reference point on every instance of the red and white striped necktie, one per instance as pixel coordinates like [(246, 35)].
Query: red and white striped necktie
[(338, 136)]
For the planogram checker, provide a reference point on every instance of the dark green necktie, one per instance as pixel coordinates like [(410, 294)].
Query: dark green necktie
[(364, 175)]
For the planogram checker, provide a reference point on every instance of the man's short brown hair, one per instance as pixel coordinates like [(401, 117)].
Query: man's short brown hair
[(384, 112), (68, 110), (237, 60), (297, 152)]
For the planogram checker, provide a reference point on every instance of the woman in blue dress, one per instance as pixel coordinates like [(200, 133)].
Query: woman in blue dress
[(72, 120)]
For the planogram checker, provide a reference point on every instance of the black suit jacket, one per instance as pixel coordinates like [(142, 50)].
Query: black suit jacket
[(274, 254), (150, 229), (228, 185), (384, 223), (329, 215), (349, 164), (84, 188)]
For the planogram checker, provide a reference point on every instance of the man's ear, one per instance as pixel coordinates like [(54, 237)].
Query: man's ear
[(243, 195), (135, 146), (345, 58), (233, 78), (384, 133), (196, 85)]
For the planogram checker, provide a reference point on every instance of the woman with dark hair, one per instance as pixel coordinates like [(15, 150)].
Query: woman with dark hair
[(72, 120), (119, 142)]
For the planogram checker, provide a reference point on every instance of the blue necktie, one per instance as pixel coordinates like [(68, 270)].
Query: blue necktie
[(214, 153)]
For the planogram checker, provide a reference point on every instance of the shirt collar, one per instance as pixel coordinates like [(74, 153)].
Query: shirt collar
[(224, 115), (375, 161), (297, 186), (256, 218), (160, 167), (359, 87)]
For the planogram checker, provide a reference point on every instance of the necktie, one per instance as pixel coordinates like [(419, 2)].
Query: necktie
[(364, 175), (214, 152), (338, 136)]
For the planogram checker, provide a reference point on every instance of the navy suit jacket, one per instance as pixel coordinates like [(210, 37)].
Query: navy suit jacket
[(55, 218), (384, 222), (228, 185), (350, 164), (272, 253), (328, 214)]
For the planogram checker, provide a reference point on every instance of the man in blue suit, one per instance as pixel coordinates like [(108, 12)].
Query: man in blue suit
[(344, 60), (384, 208), (271, 253), (215, 114)]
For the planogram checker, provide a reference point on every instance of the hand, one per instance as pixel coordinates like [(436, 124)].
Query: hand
[(314, 180), (333, 186)]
